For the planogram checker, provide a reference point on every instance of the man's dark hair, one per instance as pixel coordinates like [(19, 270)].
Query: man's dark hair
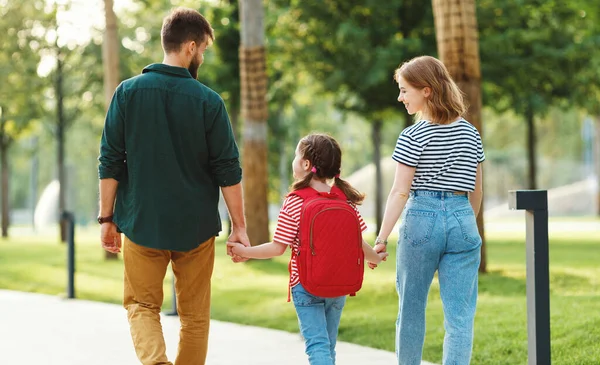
[(184, 25)]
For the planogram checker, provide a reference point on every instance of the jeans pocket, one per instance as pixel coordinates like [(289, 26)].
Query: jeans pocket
[(418, 225), (468, 225), (303, 298)]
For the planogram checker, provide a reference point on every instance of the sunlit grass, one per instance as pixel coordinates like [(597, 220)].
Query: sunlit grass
[(255, 293)]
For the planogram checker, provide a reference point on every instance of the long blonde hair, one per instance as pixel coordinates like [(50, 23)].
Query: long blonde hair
[(325, 155), (446, 102)]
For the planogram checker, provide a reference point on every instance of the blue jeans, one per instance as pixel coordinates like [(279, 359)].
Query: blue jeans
[(438, 232), (319, 320)]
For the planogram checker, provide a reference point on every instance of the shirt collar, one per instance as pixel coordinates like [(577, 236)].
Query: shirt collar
[(166, 69)]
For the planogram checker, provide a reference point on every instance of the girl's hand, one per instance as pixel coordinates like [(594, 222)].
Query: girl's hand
[(381, 252), (234, 250), (382, 257)]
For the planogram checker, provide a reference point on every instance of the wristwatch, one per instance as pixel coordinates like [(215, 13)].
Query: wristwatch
[(379, 241), (105, 219)]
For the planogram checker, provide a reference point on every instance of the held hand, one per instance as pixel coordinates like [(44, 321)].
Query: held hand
[(237, 235), (110, 238), (383, 256), (233, 250), (379, 248)]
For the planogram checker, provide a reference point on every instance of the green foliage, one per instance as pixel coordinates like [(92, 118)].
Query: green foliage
[(353, 47), (23, 29), (532, 51), (330, 66)]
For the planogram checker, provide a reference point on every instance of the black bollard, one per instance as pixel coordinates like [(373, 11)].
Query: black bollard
[(70, 220), (535, 203)]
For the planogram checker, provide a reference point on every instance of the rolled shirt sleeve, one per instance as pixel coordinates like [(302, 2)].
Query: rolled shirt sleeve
[(224, 157), (112, 145), (407, 151)]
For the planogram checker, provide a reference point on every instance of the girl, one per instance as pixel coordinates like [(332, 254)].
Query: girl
[(317, 161), (438, 178)]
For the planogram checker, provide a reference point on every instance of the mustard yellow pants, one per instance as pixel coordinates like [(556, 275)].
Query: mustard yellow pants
[(145, 270)]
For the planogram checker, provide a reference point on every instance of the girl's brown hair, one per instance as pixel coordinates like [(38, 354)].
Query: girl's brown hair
[(446, 102), (325, 155)]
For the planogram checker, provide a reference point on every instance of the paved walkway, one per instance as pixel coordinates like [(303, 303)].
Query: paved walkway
[(40, 329)]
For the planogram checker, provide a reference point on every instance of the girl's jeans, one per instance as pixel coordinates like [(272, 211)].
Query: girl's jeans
[(319, 320), (438, 232)]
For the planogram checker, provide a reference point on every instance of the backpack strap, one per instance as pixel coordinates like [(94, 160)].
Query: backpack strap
[(337, 191), (305, 193), (310, 193)]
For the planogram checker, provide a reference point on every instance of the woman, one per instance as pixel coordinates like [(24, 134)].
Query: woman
[(437, 189)]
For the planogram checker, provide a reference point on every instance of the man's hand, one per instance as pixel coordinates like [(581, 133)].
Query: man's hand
[(110, 238), (379, 248), (237, 235)]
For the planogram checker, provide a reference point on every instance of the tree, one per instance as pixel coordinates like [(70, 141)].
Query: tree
[(587, 85), (530, 51), (110, 59), (254, 113), (351, 48), (19, 96), (458, 48)]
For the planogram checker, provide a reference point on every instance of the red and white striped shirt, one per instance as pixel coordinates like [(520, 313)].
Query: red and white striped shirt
[(287, 231)]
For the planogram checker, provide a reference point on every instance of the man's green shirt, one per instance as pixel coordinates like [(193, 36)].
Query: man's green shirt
[(167, 139)]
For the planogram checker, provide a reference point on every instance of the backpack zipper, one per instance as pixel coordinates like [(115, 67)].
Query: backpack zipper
[(303, 209), (312, 248)]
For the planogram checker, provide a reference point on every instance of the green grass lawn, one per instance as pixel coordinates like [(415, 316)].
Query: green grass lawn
[(255, 293)]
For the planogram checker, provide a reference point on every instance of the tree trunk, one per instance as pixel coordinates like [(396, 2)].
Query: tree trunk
[(110, 58), (532, 165), (110, 52), (60, 140), (5, 188), (253, 82), (376, 137), (597, 162), (458, 47), (33, 181)]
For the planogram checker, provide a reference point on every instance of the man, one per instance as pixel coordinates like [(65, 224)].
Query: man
[(166, 148)]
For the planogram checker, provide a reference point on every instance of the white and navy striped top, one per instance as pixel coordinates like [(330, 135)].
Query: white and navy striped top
[(445, 155)]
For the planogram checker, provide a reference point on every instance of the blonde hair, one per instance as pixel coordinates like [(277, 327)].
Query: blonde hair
[(446, 102)]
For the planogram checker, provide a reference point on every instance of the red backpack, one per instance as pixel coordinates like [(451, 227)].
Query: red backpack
[(330, 259)]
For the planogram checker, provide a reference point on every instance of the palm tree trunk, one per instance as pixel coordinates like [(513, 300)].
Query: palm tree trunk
[(253, 79), (110, 59), (458, 47)]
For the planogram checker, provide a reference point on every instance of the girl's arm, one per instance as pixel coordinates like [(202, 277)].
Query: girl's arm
[(477, 194), (372, 256), (264, 251), (397, 199)]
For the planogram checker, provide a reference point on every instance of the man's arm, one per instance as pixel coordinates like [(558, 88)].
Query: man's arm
[(109, 236), (108, 194), (225, 167), (234, 200), (235, 205), (112, 168)]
